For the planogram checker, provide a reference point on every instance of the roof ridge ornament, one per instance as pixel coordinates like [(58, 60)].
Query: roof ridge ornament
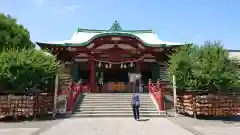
[(115, 27)]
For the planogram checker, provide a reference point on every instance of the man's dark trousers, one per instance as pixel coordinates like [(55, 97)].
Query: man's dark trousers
[(135, 111)]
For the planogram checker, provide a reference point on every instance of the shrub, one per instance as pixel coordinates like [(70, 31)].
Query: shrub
[(205, 67), (26, 69)]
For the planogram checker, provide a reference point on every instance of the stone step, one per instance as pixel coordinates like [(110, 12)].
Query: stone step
[(114, 102), (64, 84), (115, 93), (118, 115), (112, 93), (115, 96), (65, 81), (113, 106), (64, 75), (114, 111)]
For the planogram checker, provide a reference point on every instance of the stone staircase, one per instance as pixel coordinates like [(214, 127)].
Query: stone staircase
[(163, 72), (169, 92), (64, 78), (114, 105), (164, 75)]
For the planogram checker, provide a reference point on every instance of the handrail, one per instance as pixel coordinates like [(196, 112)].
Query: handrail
[(157, 91), (75, 90)]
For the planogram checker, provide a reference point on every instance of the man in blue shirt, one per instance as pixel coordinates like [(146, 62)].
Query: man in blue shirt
[(135, 106)]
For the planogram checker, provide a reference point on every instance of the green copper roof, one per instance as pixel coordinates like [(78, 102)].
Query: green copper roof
[(115, 27), (84, 37)]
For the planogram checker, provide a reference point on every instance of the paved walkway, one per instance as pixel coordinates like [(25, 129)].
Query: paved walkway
[(26, 127), (208, 127), (116, 126), (18, 131), (121, 126)]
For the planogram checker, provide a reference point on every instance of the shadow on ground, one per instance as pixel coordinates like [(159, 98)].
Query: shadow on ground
[(143, 119), (221, 118), (33, 119)]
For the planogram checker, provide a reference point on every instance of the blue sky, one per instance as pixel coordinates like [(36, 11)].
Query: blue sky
[(173, 20)]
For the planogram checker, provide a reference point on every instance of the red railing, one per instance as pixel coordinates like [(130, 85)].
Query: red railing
[(157, 92), (75, 90)]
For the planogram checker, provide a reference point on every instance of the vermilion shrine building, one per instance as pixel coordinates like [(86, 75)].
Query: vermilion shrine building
[(107, 56)]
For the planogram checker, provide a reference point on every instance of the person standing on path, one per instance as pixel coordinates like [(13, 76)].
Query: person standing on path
[(135, 103)]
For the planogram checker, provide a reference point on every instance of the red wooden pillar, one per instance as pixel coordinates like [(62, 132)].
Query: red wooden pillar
[(92, 75)]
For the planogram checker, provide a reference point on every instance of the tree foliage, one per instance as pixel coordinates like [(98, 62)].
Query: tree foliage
[(26, 69), (207, 67), (13, 35)]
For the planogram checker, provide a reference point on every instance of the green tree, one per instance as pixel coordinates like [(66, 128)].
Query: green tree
[(13, 35), (207, 67), (180, 65)]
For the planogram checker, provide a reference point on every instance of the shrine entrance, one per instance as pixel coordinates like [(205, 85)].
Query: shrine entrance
[(114, 78)]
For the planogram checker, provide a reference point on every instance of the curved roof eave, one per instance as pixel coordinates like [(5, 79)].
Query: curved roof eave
[(158, 43)]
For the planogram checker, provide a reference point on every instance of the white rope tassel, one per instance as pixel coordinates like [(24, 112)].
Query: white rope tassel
[(141, 58), (131, 65), (121, 66)]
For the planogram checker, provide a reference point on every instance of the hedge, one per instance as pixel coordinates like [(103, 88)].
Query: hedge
[(22, 70)]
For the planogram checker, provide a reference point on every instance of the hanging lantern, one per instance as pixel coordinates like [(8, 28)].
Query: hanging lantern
[(110, 65), (106, 66), (125, 66), (99, 64)]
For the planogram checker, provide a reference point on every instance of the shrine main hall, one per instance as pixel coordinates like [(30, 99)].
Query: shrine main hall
[(107, 57)]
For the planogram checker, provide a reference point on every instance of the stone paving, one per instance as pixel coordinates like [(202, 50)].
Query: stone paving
[(207, 127), (18, 131), (26, 127), (116, 126), (121, 126)]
